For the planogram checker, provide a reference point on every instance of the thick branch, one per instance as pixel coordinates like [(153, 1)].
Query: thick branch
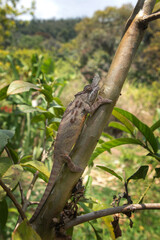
[(137, 8), (11, 196), (111, 211)]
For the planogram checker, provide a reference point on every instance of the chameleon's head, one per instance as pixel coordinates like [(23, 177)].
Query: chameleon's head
[(90, 92), (95, 88)]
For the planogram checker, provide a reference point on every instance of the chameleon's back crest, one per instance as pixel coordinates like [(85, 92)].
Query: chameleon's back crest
[(96, 80)]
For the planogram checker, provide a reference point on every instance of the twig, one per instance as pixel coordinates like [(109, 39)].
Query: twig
[(110, 211), (11, 196), (21, 192), (151, 17)]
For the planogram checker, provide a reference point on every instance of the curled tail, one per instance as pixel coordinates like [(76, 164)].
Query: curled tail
[(53, 177)]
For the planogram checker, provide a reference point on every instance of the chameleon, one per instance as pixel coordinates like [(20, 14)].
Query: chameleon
[(86, 101)]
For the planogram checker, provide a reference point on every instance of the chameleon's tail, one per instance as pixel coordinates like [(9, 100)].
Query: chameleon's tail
[(53, 177)]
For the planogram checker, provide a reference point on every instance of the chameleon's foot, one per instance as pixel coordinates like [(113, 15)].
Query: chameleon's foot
[(71, 165)]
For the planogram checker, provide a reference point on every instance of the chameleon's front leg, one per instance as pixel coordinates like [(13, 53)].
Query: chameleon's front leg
[(100, 101)]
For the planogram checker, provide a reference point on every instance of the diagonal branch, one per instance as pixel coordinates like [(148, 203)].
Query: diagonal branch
[(110, 211), (12, 197), (151, 17)]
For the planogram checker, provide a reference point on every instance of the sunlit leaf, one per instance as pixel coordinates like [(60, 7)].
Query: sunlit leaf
[(48, 66), (39, 166), (123, 120), (111, 144), (5, 163), (106, 169), (19, 86), (25, 232), (143, 128), (88, 187), (155, 125), (106, 135), (119, 126)]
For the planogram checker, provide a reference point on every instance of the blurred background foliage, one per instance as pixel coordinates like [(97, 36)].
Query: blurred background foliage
[(60, 57)]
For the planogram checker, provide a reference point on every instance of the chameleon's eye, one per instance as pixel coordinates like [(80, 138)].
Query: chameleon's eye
[(88, 88)]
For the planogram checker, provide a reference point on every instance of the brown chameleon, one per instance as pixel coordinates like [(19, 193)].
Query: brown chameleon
[(86, 101)]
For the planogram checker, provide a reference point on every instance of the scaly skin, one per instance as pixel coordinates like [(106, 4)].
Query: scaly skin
[(69, 130)]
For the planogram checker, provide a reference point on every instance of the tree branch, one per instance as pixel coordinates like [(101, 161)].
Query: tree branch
[(110, 211), (11, 196), (151, 17), (137, 8)]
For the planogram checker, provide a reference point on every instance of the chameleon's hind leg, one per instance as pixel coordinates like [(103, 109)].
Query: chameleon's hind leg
[(70, 164)]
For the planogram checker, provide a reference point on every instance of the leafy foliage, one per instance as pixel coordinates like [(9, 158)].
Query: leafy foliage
[(32, 81)]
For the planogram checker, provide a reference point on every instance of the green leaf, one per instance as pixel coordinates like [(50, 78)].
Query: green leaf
[(97, 230), (111, 144), (26, 108), (11, 178), (5, 136), (47, 94), (139, 174), (57, 103), (55, 120), (47, 87), (49, 132), (157, 172), (123, 120), (26, 158), (155, 125), (19, 86), (38, 118), (48, 66), (38, 166), (143, 128), (3, 213), (9, 133), (85, 208), (25, 232), (13, 66), (106, 135), (88, 187), (13, 154), (119, 126), (5, 163), (3, 93), (110, 171)]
